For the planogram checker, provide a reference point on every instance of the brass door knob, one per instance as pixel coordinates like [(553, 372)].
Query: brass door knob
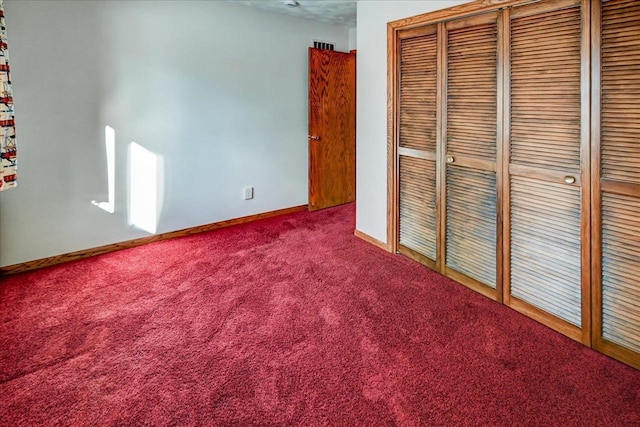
[(450, 159), (570, 179), (314, 138)]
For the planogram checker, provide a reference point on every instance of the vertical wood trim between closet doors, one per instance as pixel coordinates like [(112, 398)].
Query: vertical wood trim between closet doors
[(585, 172), (596, 213), (502, 149), (506, 160), (392, 139), (441, 150)]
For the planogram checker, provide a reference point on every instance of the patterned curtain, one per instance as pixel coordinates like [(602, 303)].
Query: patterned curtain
[(8, 168)]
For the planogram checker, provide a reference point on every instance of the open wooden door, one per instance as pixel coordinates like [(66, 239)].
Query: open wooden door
[(332, 128)]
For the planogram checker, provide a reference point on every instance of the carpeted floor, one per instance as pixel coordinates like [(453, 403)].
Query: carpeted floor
[(286, 321)]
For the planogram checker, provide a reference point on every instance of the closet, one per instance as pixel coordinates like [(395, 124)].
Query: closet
[(514, 158)]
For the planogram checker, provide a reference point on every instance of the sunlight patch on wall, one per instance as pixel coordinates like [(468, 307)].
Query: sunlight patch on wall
[(110, 146), (143, 188)]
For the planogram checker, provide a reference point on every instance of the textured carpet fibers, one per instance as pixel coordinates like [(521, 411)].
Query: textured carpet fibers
[(286, 321)]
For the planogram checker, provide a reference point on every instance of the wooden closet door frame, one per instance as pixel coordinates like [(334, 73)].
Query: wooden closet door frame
[(583, 333), (598, 342)]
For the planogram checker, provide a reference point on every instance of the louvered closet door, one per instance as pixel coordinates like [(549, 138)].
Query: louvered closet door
[(470, 152), (417, 143), (617, 210), (546, 177)]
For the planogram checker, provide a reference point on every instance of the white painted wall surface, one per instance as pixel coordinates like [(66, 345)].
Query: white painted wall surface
[(217, 91), (371, 147), (353, 32)]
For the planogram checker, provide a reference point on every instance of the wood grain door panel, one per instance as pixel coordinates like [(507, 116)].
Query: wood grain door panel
[(332, 115)]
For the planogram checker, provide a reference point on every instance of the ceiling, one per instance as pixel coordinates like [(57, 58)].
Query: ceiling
[(338, 12)]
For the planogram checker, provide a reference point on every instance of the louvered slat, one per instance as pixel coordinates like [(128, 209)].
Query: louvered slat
[(546, 272), (621, 270), (418, 73), (472, 91), (418, 205), (471, 223), (620, 163), (620, 121), (545, 90)]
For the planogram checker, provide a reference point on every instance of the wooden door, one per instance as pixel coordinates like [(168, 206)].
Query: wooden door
[(547, 211), (469, 153), (616, 179), (332, 128), (417, 135)]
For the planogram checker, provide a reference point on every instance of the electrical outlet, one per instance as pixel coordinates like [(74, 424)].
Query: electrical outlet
[(248, 193)]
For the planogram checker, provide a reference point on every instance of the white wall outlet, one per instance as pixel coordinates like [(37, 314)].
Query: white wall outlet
[(248, 193)]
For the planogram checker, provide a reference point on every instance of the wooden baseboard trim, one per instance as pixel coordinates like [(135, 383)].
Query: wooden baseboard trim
[(86, 253), (372, 240)]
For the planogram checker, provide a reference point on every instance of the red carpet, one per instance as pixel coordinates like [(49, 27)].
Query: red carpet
[(286, 321)]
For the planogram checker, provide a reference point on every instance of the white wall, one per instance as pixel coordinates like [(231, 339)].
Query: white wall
[(217, 91), (371, 147), (353, 38)]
